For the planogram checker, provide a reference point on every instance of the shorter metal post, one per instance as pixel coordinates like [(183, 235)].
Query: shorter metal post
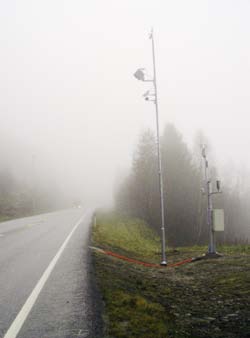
[(209, 193), (211, 247)]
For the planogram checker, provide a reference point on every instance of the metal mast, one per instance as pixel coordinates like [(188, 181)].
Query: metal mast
[(163, 244), (149, 96)]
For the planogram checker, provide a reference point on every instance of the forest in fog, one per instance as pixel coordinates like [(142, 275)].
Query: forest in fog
[(19, 198), (183, 180), (137, 195)]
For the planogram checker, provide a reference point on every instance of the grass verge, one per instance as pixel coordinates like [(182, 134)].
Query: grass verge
[(208, 298)]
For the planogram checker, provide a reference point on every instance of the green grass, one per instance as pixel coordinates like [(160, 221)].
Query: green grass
[(208, 298), (126, 236)]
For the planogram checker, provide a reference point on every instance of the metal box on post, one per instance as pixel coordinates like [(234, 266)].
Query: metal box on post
[(218, 219)]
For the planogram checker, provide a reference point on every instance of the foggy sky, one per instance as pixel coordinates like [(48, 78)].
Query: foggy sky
[(68, 96)]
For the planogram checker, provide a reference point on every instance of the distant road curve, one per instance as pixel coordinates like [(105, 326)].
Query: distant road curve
[(45, 277)]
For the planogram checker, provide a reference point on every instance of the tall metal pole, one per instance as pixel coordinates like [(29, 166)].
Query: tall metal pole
[(163, 240)]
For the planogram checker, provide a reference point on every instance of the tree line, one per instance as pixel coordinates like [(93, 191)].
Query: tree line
[(19, 199), (185, 205)]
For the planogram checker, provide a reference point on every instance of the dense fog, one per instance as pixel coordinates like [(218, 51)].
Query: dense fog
[(72, 112)]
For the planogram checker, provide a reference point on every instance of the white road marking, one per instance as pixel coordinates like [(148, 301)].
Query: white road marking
[(23, 314)]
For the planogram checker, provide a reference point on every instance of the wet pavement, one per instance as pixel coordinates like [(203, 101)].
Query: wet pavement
[(67, 305)]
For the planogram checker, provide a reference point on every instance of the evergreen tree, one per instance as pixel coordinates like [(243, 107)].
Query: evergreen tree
[(138, 196), (181, 179)]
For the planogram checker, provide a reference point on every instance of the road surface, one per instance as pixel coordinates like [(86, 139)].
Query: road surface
[(45, 277)]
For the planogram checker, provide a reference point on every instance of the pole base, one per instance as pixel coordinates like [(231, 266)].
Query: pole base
[(163, 263), (208, 255), (213, 255)]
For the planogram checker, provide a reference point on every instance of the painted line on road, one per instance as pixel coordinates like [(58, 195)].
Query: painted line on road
[(24, 312)]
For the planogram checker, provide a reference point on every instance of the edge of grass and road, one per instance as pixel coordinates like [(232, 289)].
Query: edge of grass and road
[(207, 298)]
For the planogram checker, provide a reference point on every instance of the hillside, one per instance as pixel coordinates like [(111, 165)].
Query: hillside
[(206, 298)]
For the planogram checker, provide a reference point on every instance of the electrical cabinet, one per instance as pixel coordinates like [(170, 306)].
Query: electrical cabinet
[(218, 219)]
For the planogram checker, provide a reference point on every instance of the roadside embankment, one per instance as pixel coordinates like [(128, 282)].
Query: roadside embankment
[(207, 298)]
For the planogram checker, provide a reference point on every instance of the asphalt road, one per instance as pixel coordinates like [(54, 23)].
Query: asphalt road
[(45, 277)]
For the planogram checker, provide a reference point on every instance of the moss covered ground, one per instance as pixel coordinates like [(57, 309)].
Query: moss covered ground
[(207, 298)]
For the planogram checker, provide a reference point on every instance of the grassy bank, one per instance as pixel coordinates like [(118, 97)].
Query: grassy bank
[(4, 218), (202, 299)]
